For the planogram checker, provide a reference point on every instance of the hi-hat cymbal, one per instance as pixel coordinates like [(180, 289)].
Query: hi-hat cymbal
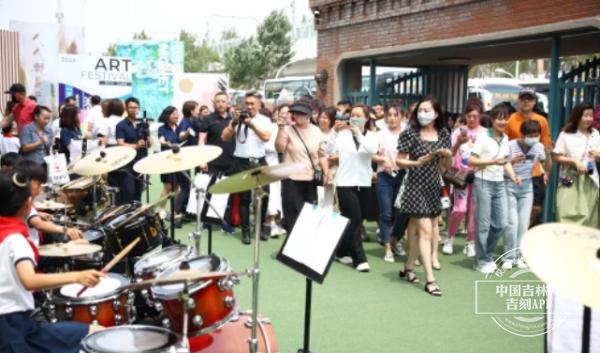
[(103, 161), (567, 257), (253, 178), (72, 248), (180, 277), (51, 205), (178, 159)]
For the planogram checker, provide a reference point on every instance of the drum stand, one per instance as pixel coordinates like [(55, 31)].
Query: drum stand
[(94, 200), (185, 298), (259, 193), (197, 234)]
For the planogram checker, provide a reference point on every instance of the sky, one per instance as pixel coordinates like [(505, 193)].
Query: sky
[(109, 21)]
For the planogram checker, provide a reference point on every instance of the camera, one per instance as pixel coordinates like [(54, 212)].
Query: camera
[(244, 114)]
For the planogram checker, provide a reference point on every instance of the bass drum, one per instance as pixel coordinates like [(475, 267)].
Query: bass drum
[(233, 337)]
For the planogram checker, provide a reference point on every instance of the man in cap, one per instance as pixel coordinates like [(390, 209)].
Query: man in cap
[(22, 112), (527, 101)]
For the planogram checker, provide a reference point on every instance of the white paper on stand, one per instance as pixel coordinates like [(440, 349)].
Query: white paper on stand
[(218, 201)]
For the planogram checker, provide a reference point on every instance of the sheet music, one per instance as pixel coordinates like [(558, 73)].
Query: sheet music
[(76, 146), (218, 201), (202, 180), (314, 237)]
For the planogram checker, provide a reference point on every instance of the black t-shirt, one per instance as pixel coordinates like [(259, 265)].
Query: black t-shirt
[(213, 125)]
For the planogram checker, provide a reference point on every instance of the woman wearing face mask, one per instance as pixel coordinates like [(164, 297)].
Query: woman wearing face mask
[(490, 156), (424, 149), (524, 154), (463, 141), (299, 143), (355, 147), (389, 178), (577, 151)]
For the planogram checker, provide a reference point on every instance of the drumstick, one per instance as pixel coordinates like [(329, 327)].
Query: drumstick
[(114, 261), (144, 208)]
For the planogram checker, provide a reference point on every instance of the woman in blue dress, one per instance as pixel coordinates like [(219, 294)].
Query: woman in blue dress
[(69, 129), (167, 135)]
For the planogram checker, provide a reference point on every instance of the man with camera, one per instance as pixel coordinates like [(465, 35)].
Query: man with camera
[(250, 130)]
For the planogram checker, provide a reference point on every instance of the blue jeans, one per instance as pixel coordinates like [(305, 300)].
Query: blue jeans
[(387, 188), (520, 202), (491, 217)]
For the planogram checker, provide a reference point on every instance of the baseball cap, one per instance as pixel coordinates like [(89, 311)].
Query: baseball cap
[(526, 91), (301, 107), (15, 88)]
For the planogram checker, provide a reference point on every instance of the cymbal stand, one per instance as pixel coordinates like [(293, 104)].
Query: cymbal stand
[(259, 193), (185, 301), (200, 198), (95, 201)]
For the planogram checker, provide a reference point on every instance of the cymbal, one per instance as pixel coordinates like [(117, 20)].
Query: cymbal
[(180, 277), (78, 184), (253, 178), (72, 248), (103, 161), (567, 257), (178, 159), (51, 205)]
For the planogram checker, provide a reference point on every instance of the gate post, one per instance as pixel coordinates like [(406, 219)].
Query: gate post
[(373, 95)]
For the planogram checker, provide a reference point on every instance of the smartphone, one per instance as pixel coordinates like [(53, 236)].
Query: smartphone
[(529, 157)]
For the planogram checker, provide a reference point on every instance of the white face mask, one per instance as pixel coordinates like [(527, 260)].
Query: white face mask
[(358, 122), (530, 141), (403, 125), (425, 118)]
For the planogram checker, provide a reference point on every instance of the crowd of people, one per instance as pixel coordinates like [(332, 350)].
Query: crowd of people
[(386, 163)]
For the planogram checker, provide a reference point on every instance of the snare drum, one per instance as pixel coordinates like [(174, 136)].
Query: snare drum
[(150, 265), (214, 301), (131, 339), (147, 226), (104, 304)]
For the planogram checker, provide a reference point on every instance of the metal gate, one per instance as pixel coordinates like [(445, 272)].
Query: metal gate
[(580, 85)]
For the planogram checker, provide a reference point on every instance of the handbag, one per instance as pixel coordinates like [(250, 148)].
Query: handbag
[(398, 201), (318, 173), (458, 178)]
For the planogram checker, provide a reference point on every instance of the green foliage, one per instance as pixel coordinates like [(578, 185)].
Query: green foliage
[(141, 36), (257, 58), (229, 33), (196, 57)]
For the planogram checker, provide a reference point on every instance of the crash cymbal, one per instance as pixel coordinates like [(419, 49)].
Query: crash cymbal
[(180, 277), (103, 161), (253, 178), (50, 205), (177, 159), (79, 183), (72, 248), (566, 257)]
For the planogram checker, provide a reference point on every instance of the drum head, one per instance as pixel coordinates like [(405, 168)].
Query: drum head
[(108, 286), (202, 263), (93, 235), (113, 211), (130, 339), (155, 260), (113, 224)]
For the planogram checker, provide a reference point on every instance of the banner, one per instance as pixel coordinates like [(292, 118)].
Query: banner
[(154, 64), (40, 44), (83, 76), (199, 87)]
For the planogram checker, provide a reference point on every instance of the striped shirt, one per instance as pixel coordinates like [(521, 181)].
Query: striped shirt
[(535, 153)]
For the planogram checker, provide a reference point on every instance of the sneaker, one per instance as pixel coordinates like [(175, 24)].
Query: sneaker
[(389, 257), (486, 269), (469, 249), (398, 249), (363, 234), (276, 230), (507, 265), (345, 260), (227, 228), (522, 264), (162, 214), (448, 247), (363, 267)]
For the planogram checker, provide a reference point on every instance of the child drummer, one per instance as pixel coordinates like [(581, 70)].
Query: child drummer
[(18, 258)]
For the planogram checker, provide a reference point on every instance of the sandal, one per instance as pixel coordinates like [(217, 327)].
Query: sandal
[(438, 267), (409, 275), (435, 291)]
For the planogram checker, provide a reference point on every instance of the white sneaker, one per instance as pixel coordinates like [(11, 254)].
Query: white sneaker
[(448, 247), (398, 249), (276, 230), (469, 249), (363, 267), (522, 264), (345, 260), (486, 269), (389, 257), (507, 265), (162, 213)]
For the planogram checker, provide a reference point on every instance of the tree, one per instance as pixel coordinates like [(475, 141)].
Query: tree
[(141, 36), (256, 58), (229, 34), (196, 57), (111, 50)]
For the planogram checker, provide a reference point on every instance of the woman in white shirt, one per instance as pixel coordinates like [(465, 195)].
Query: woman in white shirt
[(389, 176), (490, 155), (115, 110), (355, 147), (577, 151)]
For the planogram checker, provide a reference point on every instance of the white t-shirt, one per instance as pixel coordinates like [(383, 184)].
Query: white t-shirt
[(354, 164), (13, 296), (247, 143), (388, 147), (9, 144), (34, 235), (577, 146), (381, 124), (486, 147), (109, 128), (99, 123)]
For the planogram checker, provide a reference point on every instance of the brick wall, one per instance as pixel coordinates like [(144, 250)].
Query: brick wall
[(353, 26)]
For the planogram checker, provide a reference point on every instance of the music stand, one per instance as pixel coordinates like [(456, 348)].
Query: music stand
[(310, 249)]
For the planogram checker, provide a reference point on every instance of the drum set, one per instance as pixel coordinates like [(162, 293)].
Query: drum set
[(154, 298)]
